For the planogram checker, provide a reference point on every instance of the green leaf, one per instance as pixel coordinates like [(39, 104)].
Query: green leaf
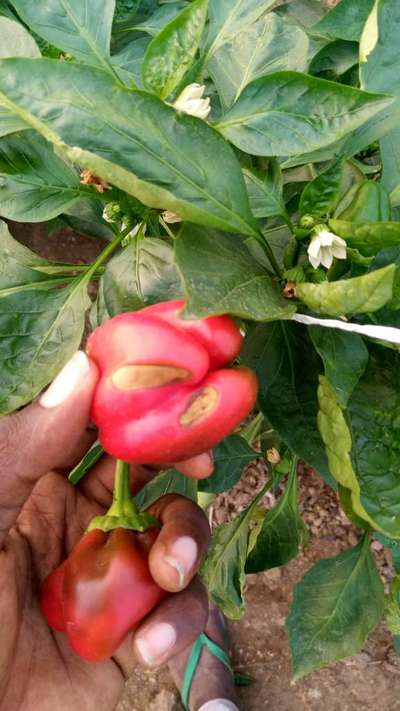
[(143, 273), (392, 607), (373, 413), (287, 368), (367, 201), (166, 482), (80, 27), (171, 53), (304, 13), (345, 357), (390, 156), (337, 438), (35, 184), (335, 59), (369, 238), (223, 571), (336, 606), (322, 194), (364, 294), (231, 457), (17, 263), (228, 18), (128, 61), (86, 217), (380, 61), (131, 139), (267, 46), (265, 191), (281, 534), (220, 276), (288, 113), (40, 329), (156, 21), (15, 40), (92, 456), (345, 21)]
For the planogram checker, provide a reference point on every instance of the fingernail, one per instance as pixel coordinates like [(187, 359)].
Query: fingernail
[(182, 556), (72, 375), (219, 705), (155, 643)]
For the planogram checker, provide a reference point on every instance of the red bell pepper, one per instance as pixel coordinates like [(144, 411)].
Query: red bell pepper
[(163, 395), (102, 590)]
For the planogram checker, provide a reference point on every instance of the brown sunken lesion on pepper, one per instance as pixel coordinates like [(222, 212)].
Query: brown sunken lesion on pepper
[(201, 404), (150, 375)]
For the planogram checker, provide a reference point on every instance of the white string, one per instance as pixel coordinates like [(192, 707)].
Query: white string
[(382, 333)]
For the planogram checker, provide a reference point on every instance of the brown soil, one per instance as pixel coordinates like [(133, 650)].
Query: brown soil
[(369, 681)]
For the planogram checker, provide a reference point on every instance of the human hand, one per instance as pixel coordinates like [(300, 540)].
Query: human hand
[(41, 518)]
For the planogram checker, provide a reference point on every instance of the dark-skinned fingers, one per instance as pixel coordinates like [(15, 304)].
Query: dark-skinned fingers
[(199, 467), (45, 435), (182, 542), (172, 626)]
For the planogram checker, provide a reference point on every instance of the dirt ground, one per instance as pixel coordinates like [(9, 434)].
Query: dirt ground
[(370, 681)]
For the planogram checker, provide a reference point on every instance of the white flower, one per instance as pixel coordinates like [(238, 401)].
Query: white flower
[(324, 246), (191, 101), (170, 217)]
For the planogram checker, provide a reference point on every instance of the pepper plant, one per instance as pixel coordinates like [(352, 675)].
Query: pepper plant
[(242, 155)]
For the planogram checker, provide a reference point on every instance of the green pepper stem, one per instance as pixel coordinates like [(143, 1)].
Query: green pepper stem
[(123, 512)]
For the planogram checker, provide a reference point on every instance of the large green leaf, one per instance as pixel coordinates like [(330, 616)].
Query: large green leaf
[(133, 140), (363, 294), (220, 276), (345, 21), (335, 59), (171, 53), (337, 439), (287, 367), (380, 61), (281, 534), (287, 113), (368, 238), (303, 13), (157, 20), (374, 414), (128, 61), (86, 217), (322, 194), (40, 329), (18, 265), (15, 40), (336, 606), (390, 155), (231, 456), (380, 71), (80, 27), (223, 570), (143, 273), (265, 191), (367, 201), (269, 45), (228, 18), (35, 184), (345, 357)]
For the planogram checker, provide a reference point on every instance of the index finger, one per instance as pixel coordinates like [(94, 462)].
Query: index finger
[(176, 556)]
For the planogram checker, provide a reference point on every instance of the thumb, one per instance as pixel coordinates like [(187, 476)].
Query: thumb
[(49, 434)]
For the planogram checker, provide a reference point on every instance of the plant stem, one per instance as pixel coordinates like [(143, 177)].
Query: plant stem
[(269, 253), (123, 501), (111, 247)]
